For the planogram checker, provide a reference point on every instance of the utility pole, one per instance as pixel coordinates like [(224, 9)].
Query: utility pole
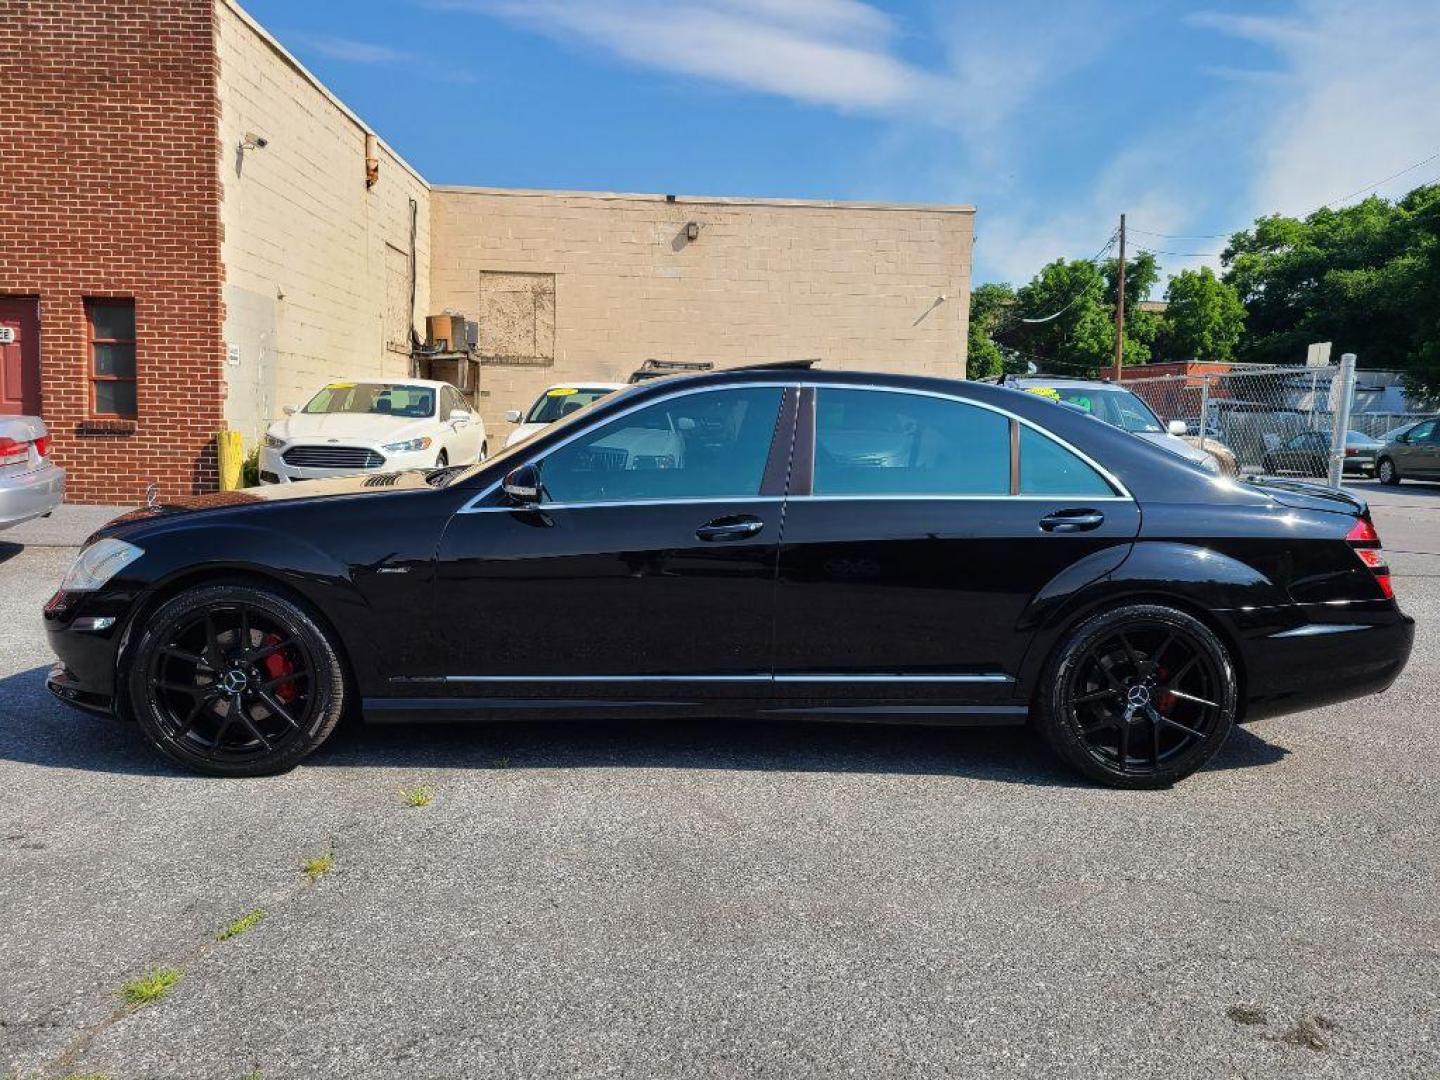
[(1120, 307)]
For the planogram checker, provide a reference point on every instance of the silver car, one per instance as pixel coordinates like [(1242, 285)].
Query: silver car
[(1414, 454), (31, 484)]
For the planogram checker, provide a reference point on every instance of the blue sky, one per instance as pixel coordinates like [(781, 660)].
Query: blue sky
[(1050, 116)]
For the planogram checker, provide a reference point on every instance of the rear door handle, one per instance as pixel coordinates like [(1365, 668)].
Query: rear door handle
[(734, 527), (1072, 521)]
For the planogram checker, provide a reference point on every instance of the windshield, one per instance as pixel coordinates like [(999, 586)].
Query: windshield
[(379, 399), (561, 401), (1119, 408)]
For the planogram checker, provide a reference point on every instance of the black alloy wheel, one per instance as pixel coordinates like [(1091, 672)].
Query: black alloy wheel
[(1139, 697), (235, 680)]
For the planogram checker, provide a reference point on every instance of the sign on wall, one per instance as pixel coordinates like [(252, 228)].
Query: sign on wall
[(7, 335)]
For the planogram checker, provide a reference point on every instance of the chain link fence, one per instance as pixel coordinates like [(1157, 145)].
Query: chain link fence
[(1281, 420)]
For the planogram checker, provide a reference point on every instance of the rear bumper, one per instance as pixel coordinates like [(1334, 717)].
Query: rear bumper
[(30, 495), (1321, 664)]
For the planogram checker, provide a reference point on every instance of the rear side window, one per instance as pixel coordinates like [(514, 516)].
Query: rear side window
[(870, 442), (1047, 468)]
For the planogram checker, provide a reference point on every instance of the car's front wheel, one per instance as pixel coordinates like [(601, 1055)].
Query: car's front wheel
[(1386, 472), (1138, 697), (235, 679)]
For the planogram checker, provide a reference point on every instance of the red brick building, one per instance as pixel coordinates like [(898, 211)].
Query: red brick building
[(110, 239)]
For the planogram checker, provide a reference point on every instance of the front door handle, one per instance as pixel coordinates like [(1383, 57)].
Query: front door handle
[(1072, 521), (734, 527)]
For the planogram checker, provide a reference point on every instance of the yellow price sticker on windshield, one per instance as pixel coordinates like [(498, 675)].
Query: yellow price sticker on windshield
[(1043, 391), (341, 386), (562, 391)]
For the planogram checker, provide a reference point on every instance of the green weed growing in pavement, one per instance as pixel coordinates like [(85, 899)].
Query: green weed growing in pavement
[(248, 921), (423, 795), (150, 987), (319, 866), (502, 763)]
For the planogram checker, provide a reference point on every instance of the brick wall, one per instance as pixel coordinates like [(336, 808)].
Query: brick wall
[(857, 285), (109, 188)]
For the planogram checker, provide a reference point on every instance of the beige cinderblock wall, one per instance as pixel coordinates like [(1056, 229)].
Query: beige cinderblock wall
[(856, 284), (316, 265)]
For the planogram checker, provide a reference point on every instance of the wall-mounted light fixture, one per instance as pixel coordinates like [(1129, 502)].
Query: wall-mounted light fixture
[(692, 230), (251, 141)]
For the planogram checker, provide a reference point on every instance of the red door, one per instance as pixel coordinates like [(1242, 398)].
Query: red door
[(19, 357)]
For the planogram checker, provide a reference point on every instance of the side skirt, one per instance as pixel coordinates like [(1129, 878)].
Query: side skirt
[(492, 709)]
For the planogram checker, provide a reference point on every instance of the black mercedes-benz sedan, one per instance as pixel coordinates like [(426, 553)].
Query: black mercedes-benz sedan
[(765, 542)]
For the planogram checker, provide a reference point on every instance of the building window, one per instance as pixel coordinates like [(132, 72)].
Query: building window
[(112, 357)]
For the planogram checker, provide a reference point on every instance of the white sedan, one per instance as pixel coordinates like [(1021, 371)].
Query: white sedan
[(555, 402), (356, 427)]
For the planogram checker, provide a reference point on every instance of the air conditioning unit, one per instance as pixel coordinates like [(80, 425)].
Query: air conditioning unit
[(451, 332)]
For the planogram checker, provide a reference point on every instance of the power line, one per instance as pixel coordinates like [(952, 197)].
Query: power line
[(1182, 254), (1323, 206), (1110, 243)]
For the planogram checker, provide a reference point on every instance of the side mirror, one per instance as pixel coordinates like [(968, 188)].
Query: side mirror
[(1176, 427), (512, 416), (289, 410), (459, 416), (522, 485)]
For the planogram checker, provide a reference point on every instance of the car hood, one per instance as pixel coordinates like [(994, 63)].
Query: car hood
[(376, 484), (523, 432), (1175, 445), (349, 427)]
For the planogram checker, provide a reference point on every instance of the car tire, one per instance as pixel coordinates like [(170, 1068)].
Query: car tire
[(443, 460), (235, 679), (1091, 714), (484, 452), (1386, 472)]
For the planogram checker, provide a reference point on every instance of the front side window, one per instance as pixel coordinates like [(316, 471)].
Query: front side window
[(112, 357), (380, 399), (1047, 468), (707, 445), (1118, 408), (870, 442)]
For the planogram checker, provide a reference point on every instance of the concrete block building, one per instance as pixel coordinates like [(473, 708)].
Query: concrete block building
[(195, 232)]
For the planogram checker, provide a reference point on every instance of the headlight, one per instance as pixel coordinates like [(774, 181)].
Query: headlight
[(272, 442), (410, 445), (98, 563)]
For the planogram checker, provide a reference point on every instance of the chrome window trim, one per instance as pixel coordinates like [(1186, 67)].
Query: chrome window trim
[(1122, 492), (756, 678)]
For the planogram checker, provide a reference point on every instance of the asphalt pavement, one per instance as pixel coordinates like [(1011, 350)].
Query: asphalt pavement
[(725, 900)]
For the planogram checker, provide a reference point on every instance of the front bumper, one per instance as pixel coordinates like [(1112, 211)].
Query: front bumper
[(273, 469), (30, 495), (85, 631)]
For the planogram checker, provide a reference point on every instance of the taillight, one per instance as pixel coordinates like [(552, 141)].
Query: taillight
[(42, 445), (1366, 542), (12, 452)]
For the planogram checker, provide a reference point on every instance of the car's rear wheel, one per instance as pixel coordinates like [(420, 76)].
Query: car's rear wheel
[(235, 680), (1386, 472), (1138, 697), (442, 460)]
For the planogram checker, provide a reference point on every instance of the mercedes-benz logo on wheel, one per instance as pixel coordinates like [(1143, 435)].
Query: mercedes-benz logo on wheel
[(234, 681), (1138, 696)]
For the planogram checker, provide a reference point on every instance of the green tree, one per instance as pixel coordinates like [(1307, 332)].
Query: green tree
[(991, 305), (1205, 317), (1359, 276)]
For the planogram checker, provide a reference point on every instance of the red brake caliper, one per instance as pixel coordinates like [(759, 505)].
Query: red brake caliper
[(1167, 699), (277, 665)]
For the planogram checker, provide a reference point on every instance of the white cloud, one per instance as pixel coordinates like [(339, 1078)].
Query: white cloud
[(834, 53), (1359, 100), (350, 51)]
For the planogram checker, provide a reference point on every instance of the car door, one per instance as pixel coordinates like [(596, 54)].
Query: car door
[(928, 527), (1418, 456), (646, 566)]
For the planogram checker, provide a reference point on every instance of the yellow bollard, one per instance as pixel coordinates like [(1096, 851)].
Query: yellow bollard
[(230, 455)]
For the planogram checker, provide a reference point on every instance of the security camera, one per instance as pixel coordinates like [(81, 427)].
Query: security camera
[(251, 141)]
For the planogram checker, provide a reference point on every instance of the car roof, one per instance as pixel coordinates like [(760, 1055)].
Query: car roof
[(1061, 383), (586, 384), (374, 381)]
